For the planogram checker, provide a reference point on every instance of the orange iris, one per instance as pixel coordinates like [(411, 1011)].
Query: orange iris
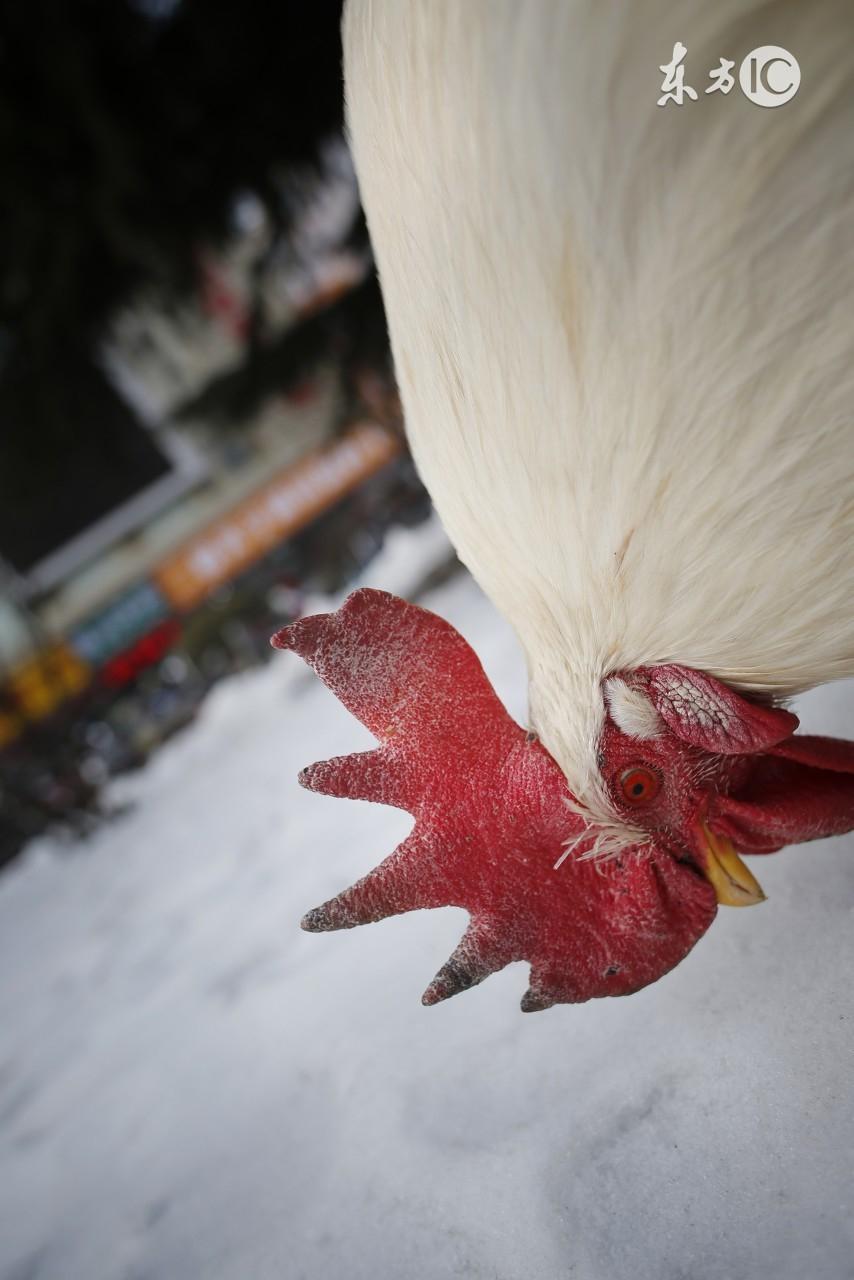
[(639, 785)]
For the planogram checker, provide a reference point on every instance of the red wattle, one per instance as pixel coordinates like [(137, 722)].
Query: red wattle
[(799, 790)]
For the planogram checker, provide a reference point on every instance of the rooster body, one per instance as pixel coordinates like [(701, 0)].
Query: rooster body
[(625, 347), (623, 333)]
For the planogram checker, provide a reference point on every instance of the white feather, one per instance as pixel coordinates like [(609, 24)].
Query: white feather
[(631, 710), (623, 333)]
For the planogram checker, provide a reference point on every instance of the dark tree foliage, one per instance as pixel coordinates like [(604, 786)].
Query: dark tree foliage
[(126, 132)]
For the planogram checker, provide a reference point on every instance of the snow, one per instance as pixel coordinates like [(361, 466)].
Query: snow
[(193, 1089)]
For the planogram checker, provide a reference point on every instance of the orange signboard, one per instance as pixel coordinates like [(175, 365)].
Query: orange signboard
[(282, 507)]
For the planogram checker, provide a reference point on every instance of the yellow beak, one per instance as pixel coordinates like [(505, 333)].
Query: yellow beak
[(733, 884)]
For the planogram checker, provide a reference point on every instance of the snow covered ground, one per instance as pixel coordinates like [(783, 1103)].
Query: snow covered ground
[(193, 1089)]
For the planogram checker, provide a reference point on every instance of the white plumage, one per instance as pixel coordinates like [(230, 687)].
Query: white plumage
[(623, 333)]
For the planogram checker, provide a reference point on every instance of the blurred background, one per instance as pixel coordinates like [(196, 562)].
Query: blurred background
[(199, 427)]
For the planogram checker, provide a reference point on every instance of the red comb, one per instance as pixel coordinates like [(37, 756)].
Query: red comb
[(491, 819)]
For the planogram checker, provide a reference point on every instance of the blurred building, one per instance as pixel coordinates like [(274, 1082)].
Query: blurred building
[(170, 557)]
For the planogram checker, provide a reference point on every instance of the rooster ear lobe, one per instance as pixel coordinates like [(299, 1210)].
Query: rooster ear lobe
[(710, 715)]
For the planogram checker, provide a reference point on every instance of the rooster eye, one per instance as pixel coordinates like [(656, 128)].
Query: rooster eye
[(639, 785)]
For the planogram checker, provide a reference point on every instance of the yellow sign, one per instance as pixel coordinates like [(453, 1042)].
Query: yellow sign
[(282, 507), (38, 687)]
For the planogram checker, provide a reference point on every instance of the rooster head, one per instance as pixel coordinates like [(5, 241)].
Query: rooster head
[(693, 771)]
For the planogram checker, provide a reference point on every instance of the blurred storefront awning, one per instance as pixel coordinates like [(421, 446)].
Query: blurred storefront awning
[(283, 506), (121, 623)]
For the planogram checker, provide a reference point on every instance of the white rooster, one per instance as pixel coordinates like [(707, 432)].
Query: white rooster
[(624, 339)]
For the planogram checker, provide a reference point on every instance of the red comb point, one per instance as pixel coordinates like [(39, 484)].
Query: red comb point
[(482, 950), (491, 819), (532, 1002)]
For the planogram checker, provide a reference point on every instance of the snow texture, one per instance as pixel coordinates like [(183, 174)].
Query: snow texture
[(193, 1089)]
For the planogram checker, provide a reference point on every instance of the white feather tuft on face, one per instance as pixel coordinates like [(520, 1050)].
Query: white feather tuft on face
[(631, 710), (610, 838)]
